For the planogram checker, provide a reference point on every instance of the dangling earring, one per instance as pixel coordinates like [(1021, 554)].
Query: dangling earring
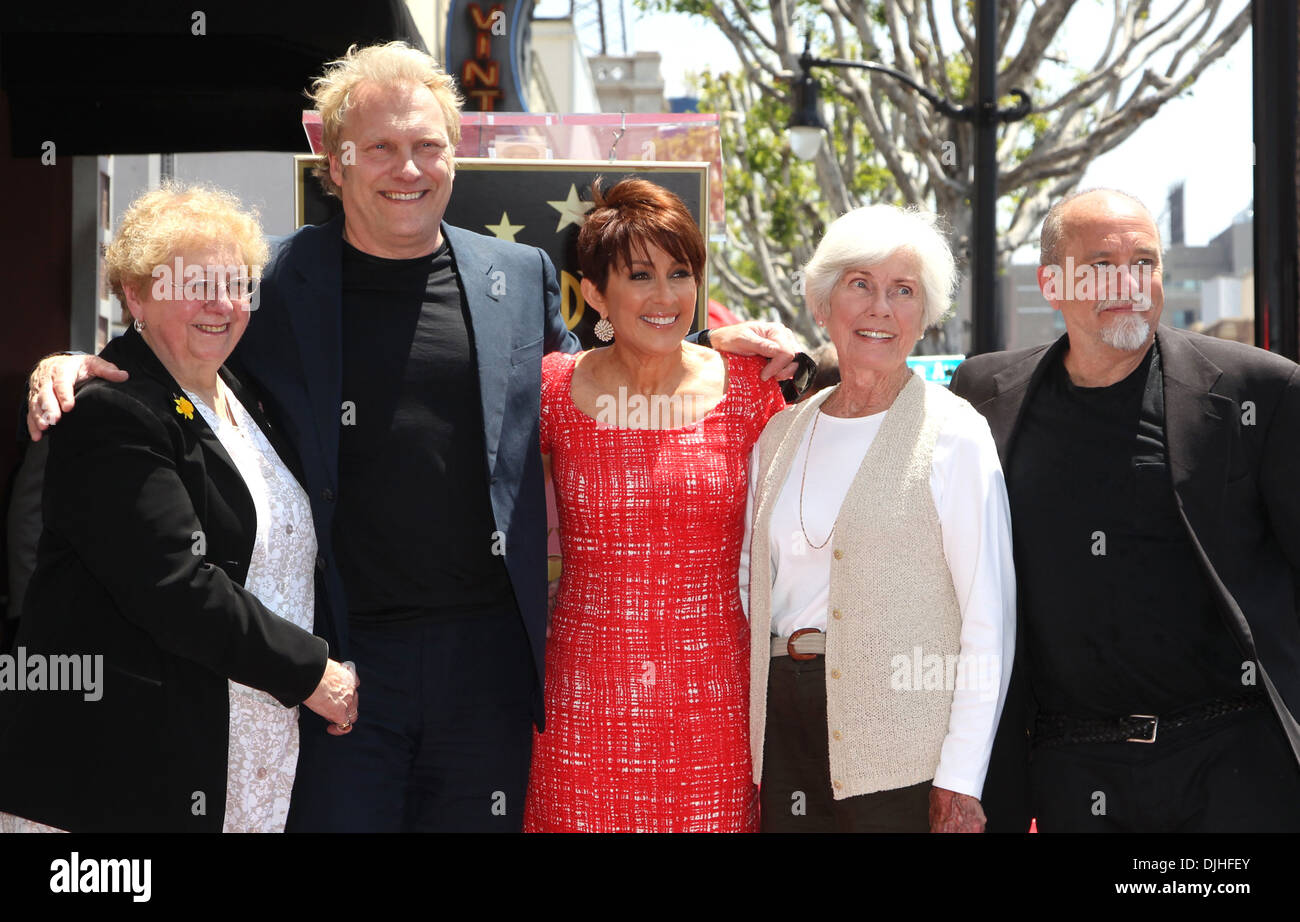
[(139, 325), (604, 330)]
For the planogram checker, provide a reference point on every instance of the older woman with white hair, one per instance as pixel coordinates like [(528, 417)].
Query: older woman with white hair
[(878, 561)]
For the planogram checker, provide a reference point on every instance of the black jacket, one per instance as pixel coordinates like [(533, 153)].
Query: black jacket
[(133, 492), (1232, 432)]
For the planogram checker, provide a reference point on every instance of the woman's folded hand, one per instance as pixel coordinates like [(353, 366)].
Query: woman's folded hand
[(335, 698)]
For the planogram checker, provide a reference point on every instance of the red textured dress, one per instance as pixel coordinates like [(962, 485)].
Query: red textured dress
[(647, 666)]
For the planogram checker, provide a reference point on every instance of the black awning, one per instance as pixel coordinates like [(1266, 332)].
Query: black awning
[(148, 76)]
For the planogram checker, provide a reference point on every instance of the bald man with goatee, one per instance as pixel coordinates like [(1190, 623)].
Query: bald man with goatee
[(1152, 474)]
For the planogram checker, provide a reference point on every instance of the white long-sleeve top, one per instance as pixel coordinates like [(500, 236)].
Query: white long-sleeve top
[(970, 496)]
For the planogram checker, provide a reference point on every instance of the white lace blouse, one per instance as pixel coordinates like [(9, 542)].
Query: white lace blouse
[(263, 754)]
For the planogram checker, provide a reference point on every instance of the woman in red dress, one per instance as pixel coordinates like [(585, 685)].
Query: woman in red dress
[(647, 441)]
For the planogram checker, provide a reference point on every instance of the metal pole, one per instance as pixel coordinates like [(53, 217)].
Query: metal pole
[(984, 116), (1273, 35), (986, 327)]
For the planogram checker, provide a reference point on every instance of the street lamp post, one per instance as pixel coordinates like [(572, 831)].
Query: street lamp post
[(807, 126)]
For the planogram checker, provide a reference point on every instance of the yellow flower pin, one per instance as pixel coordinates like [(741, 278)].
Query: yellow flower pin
[(184, 407)]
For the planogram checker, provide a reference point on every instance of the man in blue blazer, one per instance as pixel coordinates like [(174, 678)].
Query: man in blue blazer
[(297, 355), (293, 353), (402, 356)]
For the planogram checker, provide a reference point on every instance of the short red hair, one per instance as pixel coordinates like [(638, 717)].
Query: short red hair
[(635, 213)]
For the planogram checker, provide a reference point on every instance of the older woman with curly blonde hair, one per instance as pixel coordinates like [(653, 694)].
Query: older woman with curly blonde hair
[(176, 568)]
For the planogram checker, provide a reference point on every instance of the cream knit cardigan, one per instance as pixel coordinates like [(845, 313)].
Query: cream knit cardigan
[(890, 592)]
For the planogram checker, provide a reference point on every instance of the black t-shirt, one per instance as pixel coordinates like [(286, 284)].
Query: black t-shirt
[(414, 530), (1116, 611)]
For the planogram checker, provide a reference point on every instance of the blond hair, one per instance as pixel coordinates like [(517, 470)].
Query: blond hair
[(394, 64), (168, 221)]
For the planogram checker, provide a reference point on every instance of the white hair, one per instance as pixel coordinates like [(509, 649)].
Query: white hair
[(870, 235), (1126, 332)]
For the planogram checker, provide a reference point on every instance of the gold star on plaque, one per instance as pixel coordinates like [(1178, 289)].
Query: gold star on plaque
[(572, 210), (505, 230)]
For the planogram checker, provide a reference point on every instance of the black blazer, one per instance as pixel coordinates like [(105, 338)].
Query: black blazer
[(1232, 431), (131, 489)]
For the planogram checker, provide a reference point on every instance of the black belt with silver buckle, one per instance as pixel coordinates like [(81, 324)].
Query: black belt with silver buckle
[(1062, 730)]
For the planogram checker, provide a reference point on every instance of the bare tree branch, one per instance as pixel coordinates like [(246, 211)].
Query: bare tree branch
[(1117, 126), (1039, 33), (888, 143), (945, 85), (743, 13), (964, 29)]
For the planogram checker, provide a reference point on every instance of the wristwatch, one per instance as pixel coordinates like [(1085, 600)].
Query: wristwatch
[(794, 388)]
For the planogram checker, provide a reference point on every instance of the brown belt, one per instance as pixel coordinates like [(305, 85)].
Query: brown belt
[(807, 643)]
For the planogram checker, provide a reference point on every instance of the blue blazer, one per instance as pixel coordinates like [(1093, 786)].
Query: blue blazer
[(292, 351)]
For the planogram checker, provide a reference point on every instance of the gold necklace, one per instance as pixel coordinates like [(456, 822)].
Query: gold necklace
[(802, 481)]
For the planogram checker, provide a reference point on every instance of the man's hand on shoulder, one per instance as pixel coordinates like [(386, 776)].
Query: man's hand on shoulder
[(50, 388), (772, 341)]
